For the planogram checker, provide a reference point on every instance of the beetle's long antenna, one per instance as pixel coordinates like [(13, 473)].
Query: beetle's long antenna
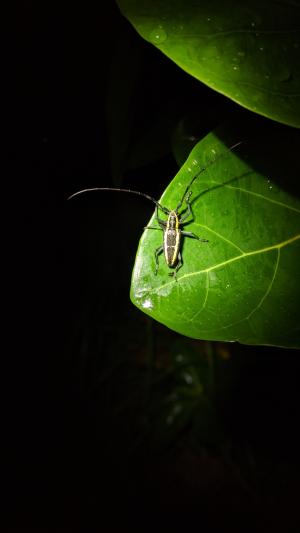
[(164, 209), (204, 168)]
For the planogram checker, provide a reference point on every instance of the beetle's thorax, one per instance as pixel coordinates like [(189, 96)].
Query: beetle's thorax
[(172, 222), (172, 239)]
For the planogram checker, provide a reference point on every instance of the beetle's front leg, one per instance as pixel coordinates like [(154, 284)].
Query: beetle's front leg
[(162, 225), (189, 208), (159, 220)]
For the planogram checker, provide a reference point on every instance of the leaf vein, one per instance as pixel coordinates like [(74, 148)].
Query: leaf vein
[(194, 63), (269, 288), (192, 318), (258, 195), (231, 260), (233, 31), (264, 89), (245, 254), (220, 236)]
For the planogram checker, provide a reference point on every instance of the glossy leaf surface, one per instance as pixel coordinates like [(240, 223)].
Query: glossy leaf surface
[(248, 51), (244, 283)]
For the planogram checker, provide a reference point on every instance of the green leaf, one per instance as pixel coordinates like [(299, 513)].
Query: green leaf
[(248, 51), (243, 285)]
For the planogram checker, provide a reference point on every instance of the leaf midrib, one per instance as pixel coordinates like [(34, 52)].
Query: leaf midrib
[(258, 195), (229, 261)]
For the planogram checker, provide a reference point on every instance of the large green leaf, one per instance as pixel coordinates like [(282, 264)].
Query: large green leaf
[(244, 283), (249, 51)]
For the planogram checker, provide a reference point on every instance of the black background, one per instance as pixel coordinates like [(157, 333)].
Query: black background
[(66, 462)]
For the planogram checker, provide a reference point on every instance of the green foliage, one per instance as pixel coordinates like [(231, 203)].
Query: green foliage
[(248, 51), (243, 285)]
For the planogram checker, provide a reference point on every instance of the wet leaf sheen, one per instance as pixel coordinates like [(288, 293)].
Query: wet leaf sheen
[(248, 51)]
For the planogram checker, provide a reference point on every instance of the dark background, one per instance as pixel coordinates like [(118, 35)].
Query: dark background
[(83, 441)]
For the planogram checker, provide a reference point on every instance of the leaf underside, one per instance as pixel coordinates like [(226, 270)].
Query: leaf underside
[(248, 51)]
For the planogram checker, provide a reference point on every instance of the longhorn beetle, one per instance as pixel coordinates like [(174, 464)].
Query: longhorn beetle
[(171, 226)]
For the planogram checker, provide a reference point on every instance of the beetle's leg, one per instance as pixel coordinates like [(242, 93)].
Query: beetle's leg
[(178, 266), (158, 251), (161, 223), (159, 220), (193, 236), (185, 197), (189, 208)]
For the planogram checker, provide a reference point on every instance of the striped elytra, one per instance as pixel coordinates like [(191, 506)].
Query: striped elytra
[(172, 236)]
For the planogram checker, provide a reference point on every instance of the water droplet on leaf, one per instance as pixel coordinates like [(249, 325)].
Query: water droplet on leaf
[(158, 35), (147, 304)]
